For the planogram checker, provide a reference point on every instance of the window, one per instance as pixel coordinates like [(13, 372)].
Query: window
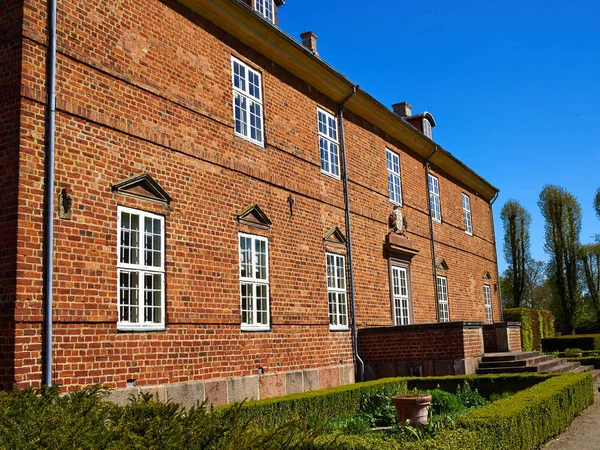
[(427, 128), (444, 312), (328, 144), (254, 282), (400, 295), (466, 204), (434, 198), (247, 102), (266, 9), (487, 293), (141, 269), (393, 171), (336, 292)]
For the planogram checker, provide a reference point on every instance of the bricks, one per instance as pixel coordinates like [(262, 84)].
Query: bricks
[(147, 89)]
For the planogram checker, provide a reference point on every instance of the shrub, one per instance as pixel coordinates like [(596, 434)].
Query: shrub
[(468, 397), (587, 361), (561, 343), (536, 324), (443, 402)]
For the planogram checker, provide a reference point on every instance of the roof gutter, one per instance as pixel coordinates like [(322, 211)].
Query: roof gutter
[(359, 362)]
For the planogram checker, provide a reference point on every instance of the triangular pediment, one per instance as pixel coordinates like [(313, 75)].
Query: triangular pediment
[(253, 216), (335, 236), (442, 264), (142, 186), (487, 276)]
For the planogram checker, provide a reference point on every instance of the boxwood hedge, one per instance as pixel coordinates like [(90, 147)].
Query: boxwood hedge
[(522, 421), (561, 343)]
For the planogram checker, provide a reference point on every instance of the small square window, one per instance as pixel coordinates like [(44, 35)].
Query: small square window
[(265, 8)]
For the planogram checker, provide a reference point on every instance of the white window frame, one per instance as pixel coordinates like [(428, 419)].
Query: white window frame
[(243, 127), (265, 8), (401, 303), (487, 294), (435, 206), (336, 286), (467, 217), (427, 128), (443, 306), (329, 147), (142, 271), (392, 161), (255, 283)]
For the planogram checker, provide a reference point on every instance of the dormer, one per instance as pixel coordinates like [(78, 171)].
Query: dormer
[(423, 122), (265, 8)]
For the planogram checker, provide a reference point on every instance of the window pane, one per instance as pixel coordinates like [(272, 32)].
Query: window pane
[(332, 308), (261, 304), (247, 304), (128, 296), (342, 310)]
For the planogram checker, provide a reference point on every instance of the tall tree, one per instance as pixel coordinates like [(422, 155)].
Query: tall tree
[(590, 258), (597, 203), (516, 221), (562, 213)]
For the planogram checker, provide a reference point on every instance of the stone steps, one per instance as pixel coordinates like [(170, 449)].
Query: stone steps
[(528, 362)]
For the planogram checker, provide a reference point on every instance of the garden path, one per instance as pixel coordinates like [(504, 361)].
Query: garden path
[(583, 433)]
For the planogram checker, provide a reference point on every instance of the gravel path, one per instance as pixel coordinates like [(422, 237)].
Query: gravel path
[(583, 433)]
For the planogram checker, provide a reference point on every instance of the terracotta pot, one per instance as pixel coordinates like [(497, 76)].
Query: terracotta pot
[(412, 406)]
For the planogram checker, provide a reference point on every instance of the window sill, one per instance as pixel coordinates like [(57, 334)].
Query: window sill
[(395, 203), (261, 144), (130, 329), (330, 175), (335, 329), (255, 329), (468, 234)]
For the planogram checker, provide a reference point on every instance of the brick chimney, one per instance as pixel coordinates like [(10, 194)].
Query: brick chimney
[(309, 40), (403, 109)]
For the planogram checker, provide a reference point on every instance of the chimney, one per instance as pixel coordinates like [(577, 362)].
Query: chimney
[(309, 40), (403, 109)]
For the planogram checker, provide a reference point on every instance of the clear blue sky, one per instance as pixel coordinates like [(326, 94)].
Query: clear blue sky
[(514, 87)]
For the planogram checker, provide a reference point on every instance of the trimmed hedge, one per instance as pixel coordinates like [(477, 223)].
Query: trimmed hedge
[(561, 343), (523, 421), (327, 403), (536, 324)]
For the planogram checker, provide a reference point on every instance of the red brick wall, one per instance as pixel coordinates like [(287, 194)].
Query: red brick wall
[(452, 340), (147, 89), (514, 338), (10, 75)]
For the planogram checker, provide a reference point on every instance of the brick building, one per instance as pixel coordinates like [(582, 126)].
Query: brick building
[(200, 231)]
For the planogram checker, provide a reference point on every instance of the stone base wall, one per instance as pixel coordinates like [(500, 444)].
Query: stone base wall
[(236, 389), (452, 348)]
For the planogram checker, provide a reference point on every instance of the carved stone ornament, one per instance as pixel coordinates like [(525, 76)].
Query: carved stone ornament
[(397, 222)]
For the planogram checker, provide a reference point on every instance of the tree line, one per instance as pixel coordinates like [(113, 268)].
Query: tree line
[(569, 282)]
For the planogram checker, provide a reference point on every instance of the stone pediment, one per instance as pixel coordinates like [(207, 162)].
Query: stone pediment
[(335, 236), (142, 186), (254, 216), (441, 264)]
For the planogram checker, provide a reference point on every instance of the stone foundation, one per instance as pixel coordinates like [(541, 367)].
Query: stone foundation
[(236, 389)]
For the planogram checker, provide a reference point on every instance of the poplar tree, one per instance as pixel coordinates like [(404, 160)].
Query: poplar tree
[(562, 213), (590, 258), (516, 221)]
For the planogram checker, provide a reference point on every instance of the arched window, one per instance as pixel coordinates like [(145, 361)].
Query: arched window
[(427, 128)]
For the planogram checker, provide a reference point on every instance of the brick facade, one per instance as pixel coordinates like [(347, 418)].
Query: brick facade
[(146, 88)]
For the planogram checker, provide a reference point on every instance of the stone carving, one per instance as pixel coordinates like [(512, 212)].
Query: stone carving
[(397, 222)]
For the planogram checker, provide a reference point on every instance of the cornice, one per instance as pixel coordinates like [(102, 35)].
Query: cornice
[(238, 20)]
